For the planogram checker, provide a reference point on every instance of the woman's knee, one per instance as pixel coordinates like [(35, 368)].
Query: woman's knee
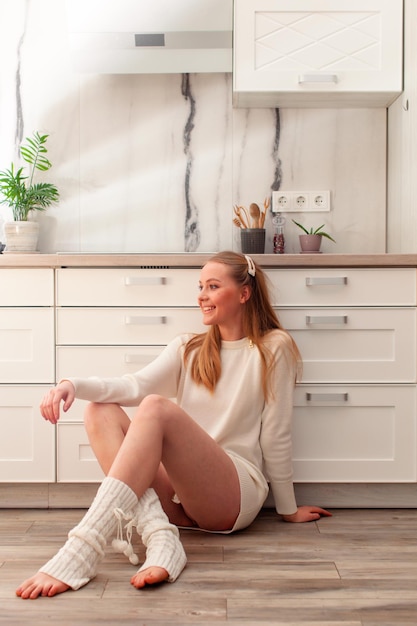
[(155, 407), (96, 413)]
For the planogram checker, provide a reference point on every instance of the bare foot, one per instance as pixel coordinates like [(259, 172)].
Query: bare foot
[(149, 576), (41, 585)]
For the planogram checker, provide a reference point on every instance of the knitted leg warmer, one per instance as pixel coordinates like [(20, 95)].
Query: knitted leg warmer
[(77, 561), (160, 537)]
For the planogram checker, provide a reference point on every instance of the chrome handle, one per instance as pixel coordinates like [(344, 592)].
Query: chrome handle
[(139, 358), (326, 319), (144, 280), (145, 320), (327, 397), (312, 281), (317, 78)]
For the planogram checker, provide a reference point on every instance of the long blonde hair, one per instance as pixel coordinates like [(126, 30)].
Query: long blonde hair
[(258, 319)]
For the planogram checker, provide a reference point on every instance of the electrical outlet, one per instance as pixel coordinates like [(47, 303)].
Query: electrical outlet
[(320, 200), (281, 201), (300, 201)]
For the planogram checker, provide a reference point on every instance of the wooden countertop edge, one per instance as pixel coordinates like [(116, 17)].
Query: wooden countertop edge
[(198, 259)]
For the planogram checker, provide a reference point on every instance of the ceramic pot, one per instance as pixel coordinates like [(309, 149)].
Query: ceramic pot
[(310, 244), (21, 236)]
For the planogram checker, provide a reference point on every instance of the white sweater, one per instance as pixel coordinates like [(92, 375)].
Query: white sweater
[(236, 415)]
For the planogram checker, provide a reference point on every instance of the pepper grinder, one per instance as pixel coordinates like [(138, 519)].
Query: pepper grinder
[(279, 239)]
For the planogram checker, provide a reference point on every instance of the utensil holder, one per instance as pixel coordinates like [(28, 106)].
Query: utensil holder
[(252, 240)]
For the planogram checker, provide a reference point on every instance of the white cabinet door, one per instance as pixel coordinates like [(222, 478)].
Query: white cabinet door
[(362, 345), (27, 441), (27, 345), (102, 361), (343, 287), (89, 326), (355, 434), (75, 459), (317, 53), (124, 287), (27, 287)]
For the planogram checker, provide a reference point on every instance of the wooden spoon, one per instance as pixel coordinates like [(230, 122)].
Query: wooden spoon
[(255, 213)]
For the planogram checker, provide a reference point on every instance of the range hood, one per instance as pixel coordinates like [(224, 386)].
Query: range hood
[(150, 36)]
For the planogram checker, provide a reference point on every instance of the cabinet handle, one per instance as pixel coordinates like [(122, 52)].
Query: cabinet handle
[(135, 281), (327, 397), (326, 319), (317, 78), (145, 320), (139, 358), (312, 281)]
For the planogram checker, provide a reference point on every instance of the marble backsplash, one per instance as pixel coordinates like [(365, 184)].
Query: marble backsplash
[(150, 163)]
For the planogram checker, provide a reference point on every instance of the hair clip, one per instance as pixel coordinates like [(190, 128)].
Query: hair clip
[(251, 265)]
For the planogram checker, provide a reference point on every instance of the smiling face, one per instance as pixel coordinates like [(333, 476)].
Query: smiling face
[(221, 300)]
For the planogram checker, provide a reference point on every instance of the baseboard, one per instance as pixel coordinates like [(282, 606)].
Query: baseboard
[(330, 495)]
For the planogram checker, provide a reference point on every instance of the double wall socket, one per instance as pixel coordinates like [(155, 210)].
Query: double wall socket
[(300, 201)]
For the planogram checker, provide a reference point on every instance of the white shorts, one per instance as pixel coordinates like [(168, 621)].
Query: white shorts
[(253, 493)]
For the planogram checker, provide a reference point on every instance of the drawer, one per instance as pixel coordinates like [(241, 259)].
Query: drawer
[(127, 287), (90, 326), (102, 361), (343, 287), (75, 459), (354, 434), (354, 345), (27, 345), (27, 442), (27, 287)]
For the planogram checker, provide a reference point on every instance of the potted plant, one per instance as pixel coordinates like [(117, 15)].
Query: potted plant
[(310, 241), (23, 195)]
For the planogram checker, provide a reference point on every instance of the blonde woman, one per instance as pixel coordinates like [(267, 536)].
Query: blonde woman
[(205, 461)]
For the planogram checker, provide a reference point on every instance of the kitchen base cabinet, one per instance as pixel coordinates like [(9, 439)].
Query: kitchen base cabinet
[(27, 367), (355, 407), (355, 434), (27, 442)]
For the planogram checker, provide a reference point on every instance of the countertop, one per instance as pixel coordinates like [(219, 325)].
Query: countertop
[(192, 259)]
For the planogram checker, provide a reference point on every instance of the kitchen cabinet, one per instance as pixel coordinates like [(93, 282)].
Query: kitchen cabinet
[(355, 408), (110, 322), (27, 368), (317, 53)]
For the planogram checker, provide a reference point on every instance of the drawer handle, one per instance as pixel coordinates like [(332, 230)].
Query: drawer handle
[(311, 281), (139, 358), (327, 397), (141, 281), (140, 320), (317, 78), (326, 319)]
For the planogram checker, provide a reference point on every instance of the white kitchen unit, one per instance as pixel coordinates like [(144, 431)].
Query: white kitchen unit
[(353, 317), (355, 409), (111, 322), (317, 53), (27, 368)]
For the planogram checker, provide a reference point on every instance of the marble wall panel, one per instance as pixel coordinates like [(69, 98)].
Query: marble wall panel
[(153, 163)]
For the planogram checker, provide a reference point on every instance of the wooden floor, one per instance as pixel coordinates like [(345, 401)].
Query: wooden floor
[(357, 568)]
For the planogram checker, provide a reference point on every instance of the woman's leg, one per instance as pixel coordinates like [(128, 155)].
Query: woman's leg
[(202, 475), (106, 426)]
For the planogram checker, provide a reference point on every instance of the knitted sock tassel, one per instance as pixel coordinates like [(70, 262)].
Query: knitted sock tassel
[(76, 563), (160, 537)]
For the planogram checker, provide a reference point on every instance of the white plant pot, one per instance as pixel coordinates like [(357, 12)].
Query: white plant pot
[(21, 236)]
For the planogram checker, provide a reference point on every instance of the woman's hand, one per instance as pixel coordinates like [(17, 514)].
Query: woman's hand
[(51, 402), (307, 514)]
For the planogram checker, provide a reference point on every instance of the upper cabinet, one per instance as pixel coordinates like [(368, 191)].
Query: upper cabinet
[(317, 53)]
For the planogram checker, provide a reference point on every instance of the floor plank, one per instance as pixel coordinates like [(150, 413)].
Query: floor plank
[(358, 568)]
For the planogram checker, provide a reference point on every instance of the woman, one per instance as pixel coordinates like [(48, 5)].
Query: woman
[(201, 462)]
